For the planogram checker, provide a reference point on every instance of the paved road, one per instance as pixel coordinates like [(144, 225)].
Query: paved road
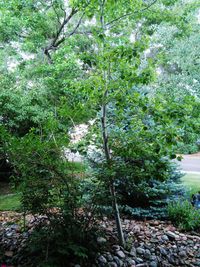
[(190, 163)]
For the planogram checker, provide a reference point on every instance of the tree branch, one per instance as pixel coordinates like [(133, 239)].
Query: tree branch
[(129, 14), (57, 41), (71, 33), (55, 11), (53, 42), (83, 32), (76, 27), (102, 13), (46, 52), (65, 21)]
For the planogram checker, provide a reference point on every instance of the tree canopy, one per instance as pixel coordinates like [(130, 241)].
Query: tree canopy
[(131, 66)]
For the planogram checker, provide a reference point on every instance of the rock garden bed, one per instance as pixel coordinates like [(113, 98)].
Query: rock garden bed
[(149, 243)]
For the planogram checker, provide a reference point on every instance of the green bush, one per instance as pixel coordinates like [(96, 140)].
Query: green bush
[(51, 189), (58, 242), (143, 141), (191, 148), (184, 215), (148, 199)]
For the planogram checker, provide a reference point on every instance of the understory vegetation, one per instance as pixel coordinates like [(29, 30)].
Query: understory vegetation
[(184, 215), (129, 70)]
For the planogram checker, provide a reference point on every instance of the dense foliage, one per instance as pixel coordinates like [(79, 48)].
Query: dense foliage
[(184, 215), (66, 62)]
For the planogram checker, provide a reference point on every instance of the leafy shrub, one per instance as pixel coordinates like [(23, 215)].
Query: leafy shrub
[(142, 140), (191, 148), (184, 215), (52, 189), (136, 196), (5, 166), (148, 199), (58, 242)]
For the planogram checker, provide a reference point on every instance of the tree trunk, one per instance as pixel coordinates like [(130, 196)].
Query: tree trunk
[(117, 215), (112, 186), (105, 137)]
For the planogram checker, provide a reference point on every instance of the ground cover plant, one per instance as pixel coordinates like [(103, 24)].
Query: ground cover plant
[(184, 215)]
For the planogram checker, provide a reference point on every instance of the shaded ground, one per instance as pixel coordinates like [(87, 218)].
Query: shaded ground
[(4, 188)]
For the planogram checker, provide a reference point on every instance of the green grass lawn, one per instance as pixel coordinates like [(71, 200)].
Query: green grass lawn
[(9, 202), (192, 182)]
